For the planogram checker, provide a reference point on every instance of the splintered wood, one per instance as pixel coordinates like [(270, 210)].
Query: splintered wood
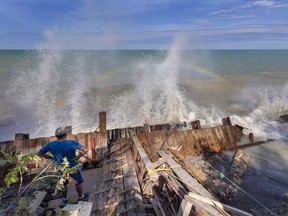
[(119, 192)]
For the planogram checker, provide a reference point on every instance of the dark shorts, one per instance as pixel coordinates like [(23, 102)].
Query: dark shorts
[(77, 176)]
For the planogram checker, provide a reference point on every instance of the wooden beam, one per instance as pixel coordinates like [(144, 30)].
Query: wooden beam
[(198, 174), (39, 196), (80, 209), (185, 177), (119, 176), (191, 196), (114, 159), (192, 183), (141, 150), (251, 144), (161, 161), (121, 151), (156, 207), (185, 208)]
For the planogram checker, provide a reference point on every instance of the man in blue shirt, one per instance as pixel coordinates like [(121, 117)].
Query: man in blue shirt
[(60, 149)]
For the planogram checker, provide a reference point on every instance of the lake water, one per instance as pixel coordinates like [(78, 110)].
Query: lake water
[(44, 89)]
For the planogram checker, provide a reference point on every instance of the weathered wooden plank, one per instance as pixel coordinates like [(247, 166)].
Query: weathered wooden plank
[(86, 208), (160, 202), (80, 209), (115, 196), (185, 177), (221, 137), (39, 196), (199, 174), (119, 176), (250, 144), (216, 203), (141, 150), (100, 197), (161, 161), (120, 151), (156, 207), (192, 183), (185, 208), (133, 198), (113, 160)]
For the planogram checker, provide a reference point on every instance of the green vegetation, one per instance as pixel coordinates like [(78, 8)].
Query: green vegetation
[(15, 175)]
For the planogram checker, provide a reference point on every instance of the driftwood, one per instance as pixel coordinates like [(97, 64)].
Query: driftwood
[(202, 177), (216, 203), (191, 183)]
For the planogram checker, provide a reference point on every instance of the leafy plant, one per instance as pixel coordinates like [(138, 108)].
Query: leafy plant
[(20, 168), (65, 174)]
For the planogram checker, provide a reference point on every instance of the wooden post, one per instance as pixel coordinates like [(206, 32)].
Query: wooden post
[(102, 121), (196, 125), (21, 136), (227, 121), (20, 142), (251, 137)]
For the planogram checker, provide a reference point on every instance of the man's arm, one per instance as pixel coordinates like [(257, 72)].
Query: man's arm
[(81, 152), (44, 155)]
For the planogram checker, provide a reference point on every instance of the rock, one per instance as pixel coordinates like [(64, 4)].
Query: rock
[(40, 211), (50, 189), (53, 204), (284, 118), (47, 198), (285, 196), (49, 213), (239, 164), (44, 204)]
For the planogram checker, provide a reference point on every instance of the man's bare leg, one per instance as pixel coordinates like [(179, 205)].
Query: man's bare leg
[(65, 192), (79, 189)]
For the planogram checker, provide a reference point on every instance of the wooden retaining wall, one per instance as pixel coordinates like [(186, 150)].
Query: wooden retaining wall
[(191, 141)]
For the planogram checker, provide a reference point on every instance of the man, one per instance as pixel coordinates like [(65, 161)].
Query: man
[(60, 149)]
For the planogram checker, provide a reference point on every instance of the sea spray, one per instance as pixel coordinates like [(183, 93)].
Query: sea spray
[(159, 88), (267, 103), (58, 87), (64, 88), (158, 92)]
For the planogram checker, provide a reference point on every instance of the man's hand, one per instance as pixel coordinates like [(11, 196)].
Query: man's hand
[(81, 152)]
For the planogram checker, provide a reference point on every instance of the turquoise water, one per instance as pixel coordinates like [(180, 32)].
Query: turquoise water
[(41, 90)]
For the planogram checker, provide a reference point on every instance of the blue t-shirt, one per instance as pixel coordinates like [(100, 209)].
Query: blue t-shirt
[(61, 149)]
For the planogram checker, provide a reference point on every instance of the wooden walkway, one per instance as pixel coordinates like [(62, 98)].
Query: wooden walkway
[(119, 192)]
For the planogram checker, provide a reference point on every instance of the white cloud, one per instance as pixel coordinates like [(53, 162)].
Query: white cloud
[(245, 30), (222, 11), (263, 3)]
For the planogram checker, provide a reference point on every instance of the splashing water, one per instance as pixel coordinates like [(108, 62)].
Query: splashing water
[(159, 88), (268, 103), (71, 87), (157, 93)]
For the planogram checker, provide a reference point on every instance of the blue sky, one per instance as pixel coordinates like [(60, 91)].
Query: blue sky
[(136, 24)]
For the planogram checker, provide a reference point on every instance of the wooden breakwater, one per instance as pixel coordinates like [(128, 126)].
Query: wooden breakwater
[(189, 139), (214, 138)]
